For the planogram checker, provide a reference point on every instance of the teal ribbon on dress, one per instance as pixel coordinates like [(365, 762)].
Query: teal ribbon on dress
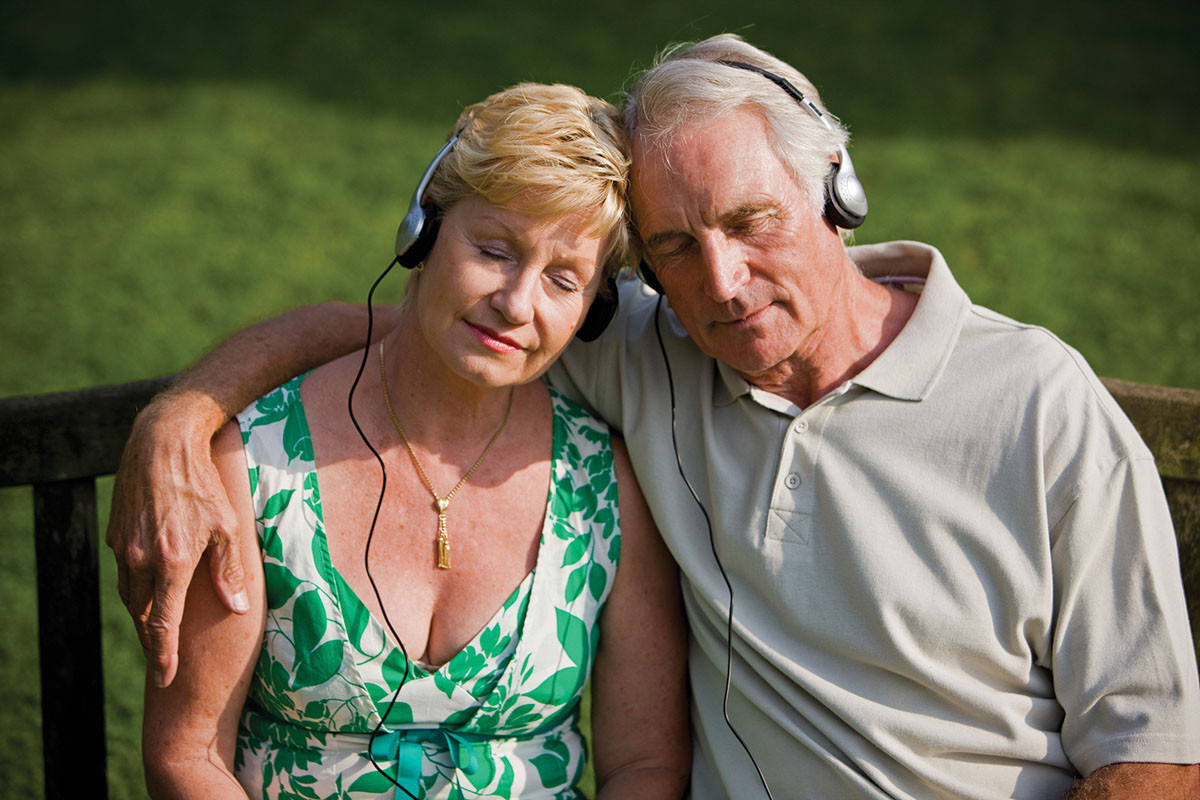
[(404, 747)]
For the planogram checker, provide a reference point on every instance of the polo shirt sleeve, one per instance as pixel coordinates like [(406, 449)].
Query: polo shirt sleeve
[(1123, 660)]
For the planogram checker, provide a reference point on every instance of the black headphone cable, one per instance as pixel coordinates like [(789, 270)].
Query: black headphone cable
[(371, 531), (712, 541)]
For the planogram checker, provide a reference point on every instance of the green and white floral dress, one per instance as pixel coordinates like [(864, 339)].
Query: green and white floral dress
[(498, 720)]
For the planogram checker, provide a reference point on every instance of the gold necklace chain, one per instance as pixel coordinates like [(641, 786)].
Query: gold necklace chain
[(440, 503)]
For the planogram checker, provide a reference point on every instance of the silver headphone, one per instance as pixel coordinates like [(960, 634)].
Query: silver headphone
[(845, 199), (418, 229)]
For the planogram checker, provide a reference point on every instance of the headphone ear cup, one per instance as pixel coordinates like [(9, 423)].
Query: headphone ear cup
[(603, 309), (845, 198), (419, 228), (426, 225), (651, 280)]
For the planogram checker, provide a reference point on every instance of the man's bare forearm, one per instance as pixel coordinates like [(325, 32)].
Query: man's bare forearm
[(262, 356), (1133, 781)]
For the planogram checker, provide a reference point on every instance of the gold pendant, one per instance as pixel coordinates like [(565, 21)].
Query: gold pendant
[(443, 538)]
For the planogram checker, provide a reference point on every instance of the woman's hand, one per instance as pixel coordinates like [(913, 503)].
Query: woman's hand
[(169, 507)]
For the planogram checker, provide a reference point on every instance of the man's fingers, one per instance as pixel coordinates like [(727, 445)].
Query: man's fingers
[(166, 495), (123, 582), (162, 629), (228, 577), (135, 577), (115, 537), (140, 591)]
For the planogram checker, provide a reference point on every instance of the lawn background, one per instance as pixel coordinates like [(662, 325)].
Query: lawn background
[(171, 171)]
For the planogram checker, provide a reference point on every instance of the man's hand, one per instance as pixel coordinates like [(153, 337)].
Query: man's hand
[(169, 506)]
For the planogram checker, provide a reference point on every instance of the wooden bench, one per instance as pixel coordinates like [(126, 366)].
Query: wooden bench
[(60, 444)]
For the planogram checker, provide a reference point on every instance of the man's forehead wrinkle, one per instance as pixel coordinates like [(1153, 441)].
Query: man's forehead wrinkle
[(686, 164), (712, 211), (646, 147)]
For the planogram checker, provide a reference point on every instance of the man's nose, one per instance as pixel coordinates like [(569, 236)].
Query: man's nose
[(725, 270)]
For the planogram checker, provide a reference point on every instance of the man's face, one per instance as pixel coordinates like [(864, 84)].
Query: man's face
[(750, 270)]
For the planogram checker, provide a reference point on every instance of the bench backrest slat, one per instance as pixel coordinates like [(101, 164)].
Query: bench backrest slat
[(68, 579), (60, 443)]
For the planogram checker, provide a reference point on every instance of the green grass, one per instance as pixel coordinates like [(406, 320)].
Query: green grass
[(1095, 244), (202, 206), (171, 171), (20, 714)]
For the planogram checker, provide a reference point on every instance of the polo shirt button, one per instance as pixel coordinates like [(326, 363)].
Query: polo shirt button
[(792, 480), (801, 426)]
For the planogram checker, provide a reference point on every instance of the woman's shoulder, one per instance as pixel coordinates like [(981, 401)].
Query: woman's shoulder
[(313, 398), (272, 405), (274, 428), (569, 411)]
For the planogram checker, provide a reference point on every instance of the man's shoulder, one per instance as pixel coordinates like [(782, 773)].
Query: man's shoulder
[(1045, 375), (602, 373), (1025, 348)]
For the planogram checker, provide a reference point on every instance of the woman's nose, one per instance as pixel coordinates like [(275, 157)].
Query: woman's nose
[(514, 298)]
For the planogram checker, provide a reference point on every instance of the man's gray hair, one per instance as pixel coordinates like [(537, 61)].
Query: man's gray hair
[(686, 85)]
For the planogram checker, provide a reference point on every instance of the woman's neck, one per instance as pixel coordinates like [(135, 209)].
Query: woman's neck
[(433, 403)]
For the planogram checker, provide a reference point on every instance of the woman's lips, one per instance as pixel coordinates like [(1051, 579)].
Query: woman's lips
[(492, 340)]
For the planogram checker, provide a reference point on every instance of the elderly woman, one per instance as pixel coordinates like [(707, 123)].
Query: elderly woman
[(432, 638)]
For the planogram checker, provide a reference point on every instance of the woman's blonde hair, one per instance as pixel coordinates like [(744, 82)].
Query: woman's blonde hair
[(545, 150)]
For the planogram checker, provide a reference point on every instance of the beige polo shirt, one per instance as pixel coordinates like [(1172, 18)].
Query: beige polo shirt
[(955, 576)]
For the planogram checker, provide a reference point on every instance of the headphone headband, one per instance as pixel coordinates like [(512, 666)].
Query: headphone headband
[(782, 83), (846, 201)]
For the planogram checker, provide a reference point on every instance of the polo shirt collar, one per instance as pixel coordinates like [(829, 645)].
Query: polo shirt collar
[(729, 386), (911, 365)]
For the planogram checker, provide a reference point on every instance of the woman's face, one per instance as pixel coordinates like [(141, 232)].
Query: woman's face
[(502, 293)]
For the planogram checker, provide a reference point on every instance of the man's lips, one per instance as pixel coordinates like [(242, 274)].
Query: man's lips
[(748, 318), (493, 340)]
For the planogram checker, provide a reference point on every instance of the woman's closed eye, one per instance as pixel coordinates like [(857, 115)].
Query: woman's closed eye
[(494, 252)]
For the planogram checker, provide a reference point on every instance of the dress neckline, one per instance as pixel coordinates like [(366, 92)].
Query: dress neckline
[(522, 589)]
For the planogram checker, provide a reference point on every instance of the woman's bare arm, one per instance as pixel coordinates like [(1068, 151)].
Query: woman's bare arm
[(639, 685), (189, 733), (169, 506)]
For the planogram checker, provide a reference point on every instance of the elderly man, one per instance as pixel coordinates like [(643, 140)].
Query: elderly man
[(923, 552)]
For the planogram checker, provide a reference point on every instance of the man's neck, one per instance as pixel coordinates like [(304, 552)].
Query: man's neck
[(867, 318)]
